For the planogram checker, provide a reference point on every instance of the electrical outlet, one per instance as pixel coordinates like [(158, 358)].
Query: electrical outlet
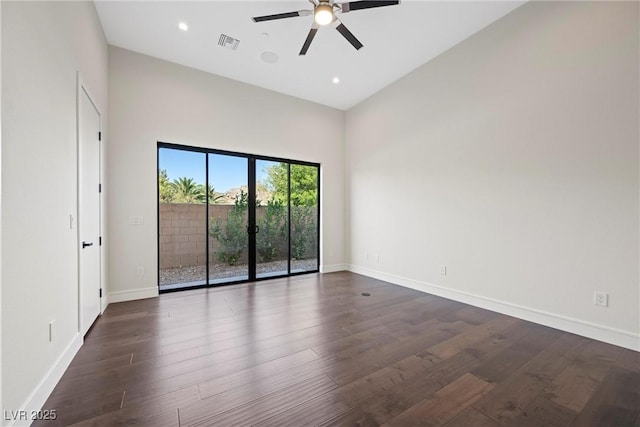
[(601, 298), (140, 271), (443, 270)]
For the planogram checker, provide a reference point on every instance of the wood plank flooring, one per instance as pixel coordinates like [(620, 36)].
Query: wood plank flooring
[(313, 351)]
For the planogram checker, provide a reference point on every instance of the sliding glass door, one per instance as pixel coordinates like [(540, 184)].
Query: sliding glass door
[(182, 217), (304, 217), (272, 218), (229, 217)]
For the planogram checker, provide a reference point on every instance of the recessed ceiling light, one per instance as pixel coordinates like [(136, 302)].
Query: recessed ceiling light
[(183, 26), (336, 80), (265, 35)]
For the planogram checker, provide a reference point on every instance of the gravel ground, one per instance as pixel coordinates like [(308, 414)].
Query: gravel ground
[(185, 275)]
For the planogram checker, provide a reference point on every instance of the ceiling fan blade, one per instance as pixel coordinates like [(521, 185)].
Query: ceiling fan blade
[(349, 36), (282, 15), (310, 36), (359, 5)]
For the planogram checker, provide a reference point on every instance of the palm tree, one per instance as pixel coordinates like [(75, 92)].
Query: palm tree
[(186, 190), (211, 193), (165, 187)]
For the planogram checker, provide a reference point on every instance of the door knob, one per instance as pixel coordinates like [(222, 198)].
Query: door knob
[(85, 244)]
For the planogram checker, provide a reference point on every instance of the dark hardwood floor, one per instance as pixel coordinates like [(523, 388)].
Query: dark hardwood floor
[(311, 350)]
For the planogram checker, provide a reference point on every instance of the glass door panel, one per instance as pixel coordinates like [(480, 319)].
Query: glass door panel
[(181, 219), (228, 219), (272, 219), (304, 218)]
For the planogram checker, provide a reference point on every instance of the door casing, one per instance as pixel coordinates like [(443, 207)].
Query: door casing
[(89, 223)]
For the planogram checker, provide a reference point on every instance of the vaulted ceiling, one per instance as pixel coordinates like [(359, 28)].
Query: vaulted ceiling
[(396, 39)]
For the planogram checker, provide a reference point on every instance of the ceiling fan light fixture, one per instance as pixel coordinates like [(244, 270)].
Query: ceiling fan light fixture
[(323, 13)]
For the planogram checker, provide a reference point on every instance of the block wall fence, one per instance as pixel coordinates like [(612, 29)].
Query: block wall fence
[(183, 236)]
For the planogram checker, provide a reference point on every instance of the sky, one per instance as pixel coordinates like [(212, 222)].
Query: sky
[(225, 172)]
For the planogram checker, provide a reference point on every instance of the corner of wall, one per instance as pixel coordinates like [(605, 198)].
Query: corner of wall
[(333, 268)]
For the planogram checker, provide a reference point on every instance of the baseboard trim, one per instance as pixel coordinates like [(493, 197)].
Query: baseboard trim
[(132, 294), (603, 333), (333, 268), (43, 390)]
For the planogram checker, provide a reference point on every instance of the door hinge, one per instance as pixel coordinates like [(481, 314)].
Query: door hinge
[(99, 136), (100, 240), (100, 292), (99, 188)]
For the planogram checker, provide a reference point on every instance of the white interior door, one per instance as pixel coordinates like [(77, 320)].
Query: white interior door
[(89, 210)]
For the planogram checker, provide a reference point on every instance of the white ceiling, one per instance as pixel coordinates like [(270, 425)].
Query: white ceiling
[(396, 39)]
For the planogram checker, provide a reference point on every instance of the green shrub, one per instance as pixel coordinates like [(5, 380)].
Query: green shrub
[(304, 232), (273, 231), (232, 235)]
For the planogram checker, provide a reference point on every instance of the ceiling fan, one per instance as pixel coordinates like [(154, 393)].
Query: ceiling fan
[(324, 13)]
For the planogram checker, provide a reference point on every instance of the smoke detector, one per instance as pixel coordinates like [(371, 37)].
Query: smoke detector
[(269, 57)]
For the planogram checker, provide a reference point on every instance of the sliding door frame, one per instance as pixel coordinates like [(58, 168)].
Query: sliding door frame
[(251, 236)]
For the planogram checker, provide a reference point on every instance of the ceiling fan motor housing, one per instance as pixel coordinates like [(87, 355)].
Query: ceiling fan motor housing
[(323, 13)]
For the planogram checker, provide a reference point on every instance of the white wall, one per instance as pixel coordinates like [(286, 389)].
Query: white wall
[(44, 44), (151, 100), (513, 160), (1, 405)]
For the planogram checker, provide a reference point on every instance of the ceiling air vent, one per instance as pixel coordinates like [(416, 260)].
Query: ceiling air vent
[(228, 42)]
